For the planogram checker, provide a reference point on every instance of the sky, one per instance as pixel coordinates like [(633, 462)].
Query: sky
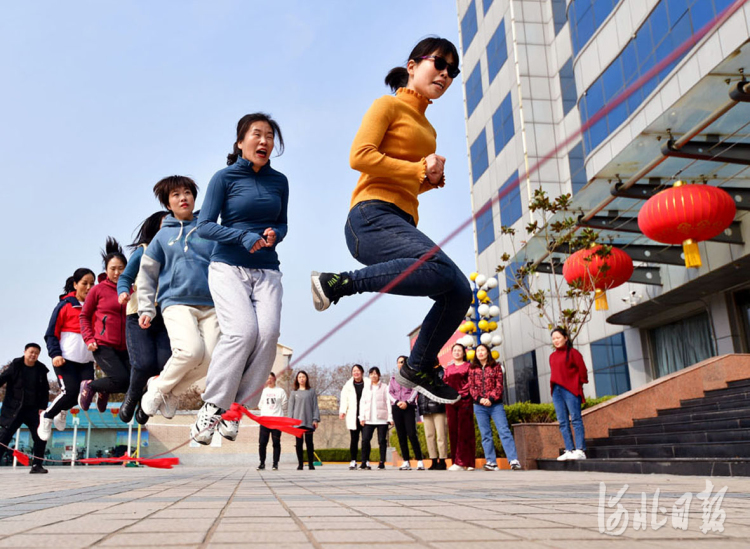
[(100, 100)]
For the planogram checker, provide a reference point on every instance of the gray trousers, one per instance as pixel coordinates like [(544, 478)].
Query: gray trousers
[(248, 306)]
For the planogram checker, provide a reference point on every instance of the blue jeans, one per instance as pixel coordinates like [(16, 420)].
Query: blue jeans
[(496, 412), (385, 238), (149, 350), (566, 403)]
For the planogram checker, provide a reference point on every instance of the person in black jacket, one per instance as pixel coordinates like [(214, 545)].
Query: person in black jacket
[(26, 396), (435, 424)]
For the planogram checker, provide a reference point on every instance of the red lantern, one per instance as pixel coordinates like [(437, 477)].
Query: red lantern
[(587, 265), (687, 214)]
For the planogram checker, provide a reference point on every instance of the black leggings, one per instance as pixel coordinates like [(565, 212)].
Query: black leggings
[(367, 432), (116, 367), (28, 415), (308, 438), (354, 441), (406, 428), (69, 376)]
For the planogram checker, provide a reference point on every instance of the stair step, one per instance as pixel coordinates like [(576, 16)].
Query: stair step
[(668, 451), (688, 417), (693, 437), (734, 394), (689, 466), (674, 428), (739, 383), (734, 403), (727, 391)]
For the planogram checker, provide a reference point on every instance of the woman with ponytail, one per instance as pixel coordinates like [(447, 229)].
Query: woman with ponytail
[(103, 330), (394, 150), (148, 349), (73, 362), (243, 276), (568, 375)]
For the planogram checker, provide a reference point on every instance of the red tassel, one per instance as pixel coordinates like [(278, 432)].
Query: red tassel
[(234, 413), (159, 463), (284, 424), (22, 458)]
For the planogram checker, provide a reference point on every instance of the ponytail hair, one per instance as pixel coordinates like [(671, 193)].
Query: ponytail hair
[(148, 229), (71, 281), (112, 250), (398, 77), (243, 126), (568, 343)]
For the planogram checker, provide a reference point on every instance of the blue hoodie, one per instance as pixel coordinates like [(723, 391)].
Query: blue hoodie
[(175, 262)]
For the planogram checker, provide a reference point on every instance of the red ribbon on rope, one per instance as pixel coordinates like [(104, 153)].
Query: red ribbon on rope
[(22, 458), (286, 424)]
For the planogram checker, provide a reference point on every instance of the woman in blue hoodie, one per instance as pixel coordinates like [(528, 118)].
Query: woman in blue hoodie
[(251, 198), (176, 263)]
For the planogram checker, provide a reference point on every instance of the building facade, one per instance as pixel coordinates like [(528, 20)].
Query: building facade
[(534, 73)]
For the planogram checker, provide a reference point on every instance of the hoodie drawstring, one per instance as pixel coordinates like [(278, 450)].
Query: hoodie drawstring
[(177, 238)]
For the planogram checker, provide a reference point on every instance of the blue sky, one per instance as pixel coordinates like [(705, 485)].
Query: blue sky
[(102, 99)]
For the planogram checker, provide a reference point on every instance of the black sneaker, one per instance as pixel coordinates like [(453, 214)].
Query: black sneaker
[(140, 416), (275, 467), (260, 467), (365, 466), (128, 408), (427, 383), (37, 469), (300, 467), (381, 465), (328, 288)]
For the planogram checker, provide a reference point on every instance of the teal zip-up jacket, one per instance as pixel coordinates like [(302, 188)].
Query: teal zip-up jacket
[(248, 203), (175, 262)]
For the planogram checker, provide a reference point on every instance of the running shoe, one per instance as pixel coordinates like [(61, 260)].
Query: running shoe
[(490, 466), (60, 420), (515, 465), (229, 429), (102, 398), (352, 465), (152, 399), (37, 469), (457, 467), (45, 427), (328, 288), (565, 456), (427, 383), (86, 395), (365, 466), (406, 466), (205, 424), (579, 454), (420, 466)]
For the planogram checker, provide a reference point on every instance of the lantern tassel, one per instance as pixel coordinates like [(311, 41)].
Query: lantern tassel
[(692, 254), (600, 300)]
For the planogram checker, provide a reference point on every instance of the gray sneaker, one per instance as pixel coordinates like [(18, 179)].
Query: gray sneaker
[(328, 288)]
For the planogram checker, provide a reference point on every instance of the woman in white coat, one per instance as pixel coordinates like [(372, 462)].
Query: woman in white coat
[(375, 414), (351, 394)]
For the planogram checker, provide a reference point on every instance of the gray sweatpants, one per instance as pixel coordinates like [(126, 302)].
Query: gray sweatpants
[(248, 306)]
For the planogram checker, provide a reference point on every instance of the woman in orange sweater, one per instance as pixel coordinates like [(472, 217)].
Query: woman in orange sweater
[(395, 152)]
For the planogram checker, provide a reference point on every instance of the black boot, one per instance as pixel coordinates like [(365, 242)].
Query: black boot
[(140, 416), (128, 408), (434, 465), (441, 466)]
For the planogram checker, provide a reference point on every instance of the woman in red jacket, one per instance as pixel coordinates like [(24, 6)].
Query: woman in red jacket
[(103, 330), (460, 414), (486, 389), (567, 379)]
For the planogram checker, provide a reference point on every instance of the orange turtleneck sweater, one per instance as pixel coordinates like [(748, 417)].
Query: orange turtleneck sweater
[(390, 150)]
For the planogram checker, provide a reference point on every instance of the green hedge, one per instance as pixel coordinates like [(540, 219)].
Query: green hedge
[(520, 412)]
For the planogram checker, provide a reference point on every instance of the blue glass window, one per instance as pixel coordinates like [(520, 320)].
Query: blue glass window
[(558, 15), (486, 5), (502, 124), (577, 169), (469, 26), (479, 158), (525, 387), (510, 200), (586, 16), (485, 229), (568, 86), (609, 361), (514, 297), (669, 25), (497, 51), (474, 88)]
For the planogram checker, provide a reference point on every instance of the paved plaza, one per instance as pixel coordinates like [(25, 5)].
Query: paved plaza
[(333, 507)]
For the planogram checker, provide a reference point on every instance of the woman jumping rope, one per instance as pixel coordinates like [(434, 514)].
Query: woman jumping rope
[(395, 152)]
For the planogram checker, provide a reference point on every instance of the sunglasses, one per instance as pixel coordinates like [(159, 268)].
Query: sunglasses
[(442, 64)]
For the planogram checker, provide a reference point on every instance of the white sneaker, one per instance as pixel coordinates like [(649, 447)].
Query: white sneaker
[(229, 429), (352, 465), (456, 467), (406, 466), (579, 454), (470, 468), (202, 431), (60, 420), (152, 399), (515, 465), (566, 456), (45, 427), (168, 407), (420, 466)]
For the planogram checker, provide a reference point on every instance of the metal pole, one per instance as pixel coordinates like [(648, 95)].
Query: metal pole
[(130, 435), (18, 436), (75, 439), (88, 438), (138, 443)]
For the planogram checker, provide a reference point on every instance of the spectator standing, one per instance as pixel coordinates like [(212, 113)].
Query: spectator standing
[(374, 415), (435, 427), (404, 410), (460, 414), (303, 405), (351, 394), (273, 402)]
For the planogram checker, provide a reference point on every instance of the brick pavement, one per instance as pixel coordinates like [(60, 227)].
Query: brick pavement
[(335, 508)]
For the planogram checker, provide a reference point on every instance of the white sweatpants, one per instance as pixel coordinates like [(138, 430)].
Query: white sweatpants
[(248, 306)]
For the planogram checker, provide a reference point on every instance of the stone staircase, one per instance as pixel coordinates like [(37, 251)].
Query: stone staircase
[(707, 436)]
